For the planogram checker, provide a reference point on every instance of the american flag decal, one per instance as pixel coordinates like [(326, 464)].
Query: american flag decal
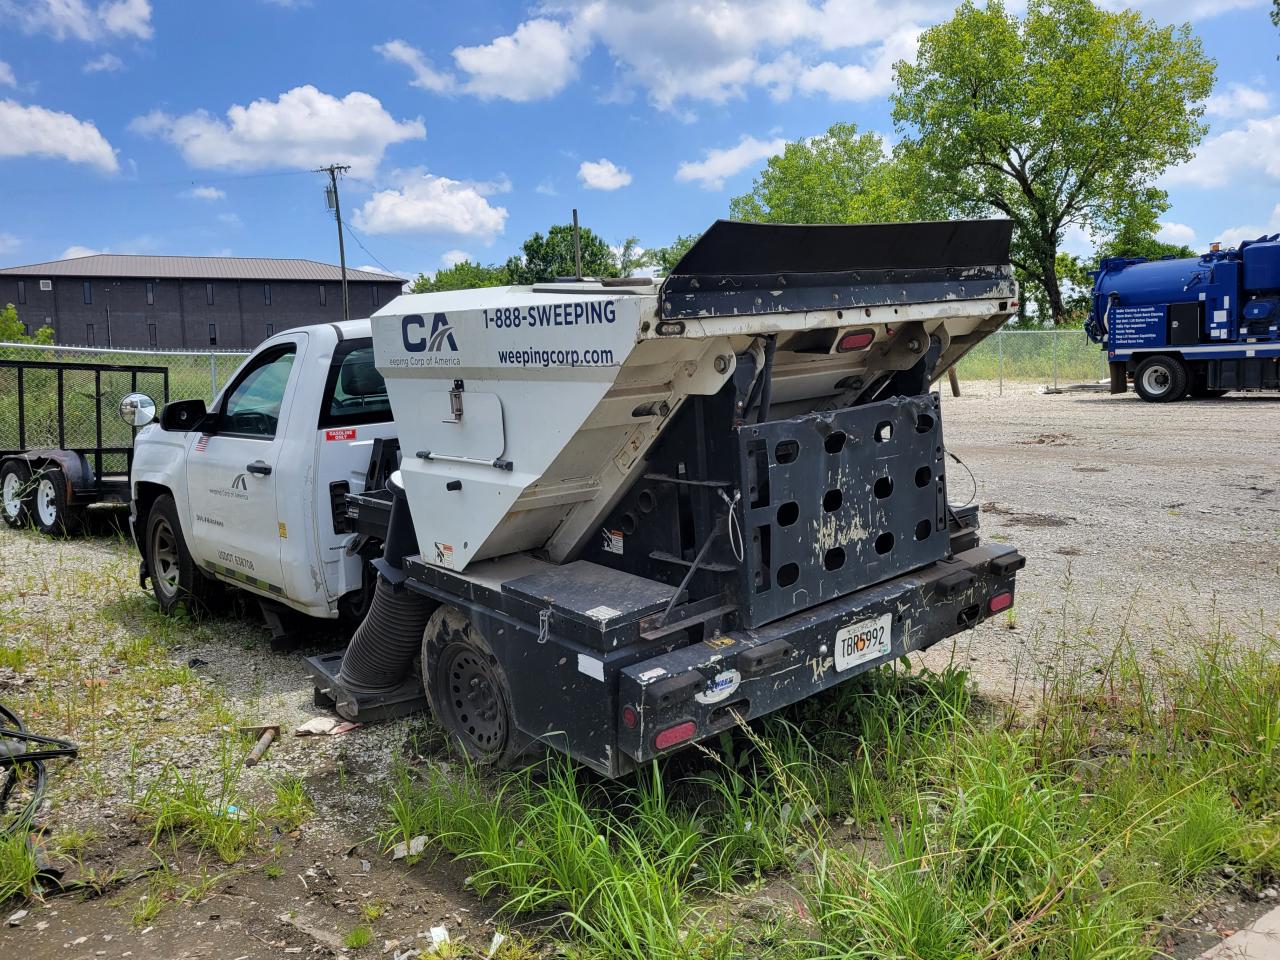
[(202, 443)]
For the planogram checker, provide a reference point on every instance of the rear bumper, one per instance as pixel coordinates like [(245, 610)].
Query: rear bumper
[(751, 673)]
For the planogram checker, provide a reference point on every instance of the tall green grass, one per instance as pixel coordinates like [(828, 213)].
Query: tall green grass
[(917, 822)]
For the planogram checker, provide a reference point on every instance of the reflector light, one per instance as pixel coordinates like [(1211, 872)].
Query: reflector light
[(630, 718), (855, 340), (1001, 601), (673, 735)]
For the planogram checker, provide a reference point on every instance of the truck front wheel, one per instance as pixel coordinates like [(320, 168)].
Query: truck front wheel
[(468, 690), (174, 577), (1161, 379)]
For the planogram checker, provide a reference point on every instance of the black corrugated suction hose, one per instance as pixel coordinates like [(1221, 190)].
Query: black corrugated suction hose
[(387, 640)]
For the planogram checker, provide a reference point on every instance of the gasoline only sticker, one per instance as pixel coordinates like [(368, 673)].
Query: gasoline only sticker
[(863, 641)]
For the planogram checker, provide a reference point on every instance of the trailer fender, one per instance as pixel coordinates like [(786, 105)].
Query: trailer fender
[(75, 468)]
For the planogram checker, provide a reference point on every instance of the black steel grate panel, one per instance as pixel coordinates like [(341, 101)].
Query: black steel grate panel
[(837, 501)]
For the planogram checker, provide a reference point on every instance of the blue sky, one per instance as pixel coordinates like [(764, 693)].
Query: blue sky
[(181, 127)]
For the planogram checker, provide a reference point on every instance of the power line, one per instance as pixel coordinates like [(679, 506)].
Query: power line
[(98, 187), (356, 237)]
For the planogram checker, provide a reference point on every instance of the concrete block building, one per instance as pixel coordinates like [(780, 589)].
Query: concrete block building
[(168, 303)]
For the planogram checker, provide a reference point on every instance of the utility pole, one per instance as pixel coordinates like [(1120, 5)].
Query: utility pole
[(332, 195)]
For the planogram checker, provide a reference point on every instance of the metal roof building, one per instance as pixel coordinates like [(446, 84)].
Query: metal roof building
[(158, 302)]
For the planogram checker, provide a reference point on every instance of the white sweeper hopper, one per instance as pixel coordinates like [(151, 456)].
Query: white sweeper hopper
[(525, 412)]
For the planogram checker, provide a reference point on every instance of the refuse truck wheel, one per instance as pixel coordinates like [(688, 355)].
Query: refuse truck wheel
[(1161, 379), (48, 505), (468, 690), (15, 485), (174, 578)]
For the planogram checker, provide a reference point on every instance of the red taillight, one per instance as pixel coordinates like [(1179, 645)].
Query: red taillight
[(630, 718), (1001, 601), (673, 735), (855, 340)]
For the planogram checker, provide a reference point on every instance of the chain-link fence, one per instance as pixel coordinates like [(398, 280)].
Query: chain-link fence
[(1052, 357), (191, 374)]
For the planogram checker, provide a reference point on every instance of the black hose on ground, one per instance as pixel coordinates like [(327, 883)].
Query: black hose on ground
[(387, 640)]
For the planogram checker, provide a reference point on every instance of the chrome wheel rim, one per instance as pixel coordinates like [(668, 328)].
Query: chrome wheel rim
[(46, 502), (1156, 380), (12, 496), (164, 558)]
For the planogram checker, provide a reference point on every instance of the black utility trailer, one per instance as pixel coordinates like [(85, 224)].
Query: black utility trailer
[(63, 443)]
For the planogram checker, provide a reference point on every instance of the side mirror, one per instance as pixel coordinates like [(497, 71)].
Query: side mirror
[(183, 415), (137, 409)]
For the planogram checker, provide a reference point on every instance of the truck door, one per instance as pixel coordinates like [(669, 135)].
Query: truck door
[(232, 478), (354, 411)]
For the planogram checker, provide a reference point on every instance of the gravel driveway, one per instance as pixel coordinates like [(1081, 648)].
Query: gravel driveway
[(1157, 522)]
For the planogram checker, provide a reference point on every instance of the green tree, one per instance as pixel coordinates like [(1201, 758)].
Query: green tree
[(664, 259), (551, 256), (842, 176), (462, 276), (630, 257), (1061, 119), (12, 330)]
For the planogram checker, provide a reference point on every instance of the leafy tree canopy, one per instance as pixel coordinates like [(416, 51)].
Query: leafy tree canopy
[(551, 256), (12, 330), (842, 176), (1063, 118), (664, 259), (462, 276)]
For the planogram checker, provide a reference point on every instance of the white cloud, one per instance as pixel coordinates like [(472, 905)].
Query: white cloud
[(855, 81), (230, 219), (1232, 236), (1171, 232), (7, 79), (203, 193), (546, 188), (602, 174), (425, 203), (302, 129), (537, 61), (1252, 150), (78, 251), (35, 131), (107, 63), (1238, 100), (79, 19), (425, 75), (717, 164), (451, 258), (9, 243)]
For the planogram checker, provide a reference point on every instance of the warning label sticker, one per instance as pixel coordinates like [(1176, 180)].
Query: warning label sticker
[(612, 542), (444, 555)]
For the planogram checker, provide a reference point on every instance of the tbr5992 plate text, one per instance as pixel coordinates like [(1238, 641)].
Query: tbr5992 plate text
[(862, 641)]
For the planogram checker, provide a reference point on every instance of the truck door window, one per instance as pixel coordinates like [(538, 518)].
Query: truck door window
[(355, 392), (252, 408)]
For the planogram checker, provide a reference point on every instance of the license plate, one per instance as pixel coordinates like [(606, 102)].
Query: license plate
[(863, 641)]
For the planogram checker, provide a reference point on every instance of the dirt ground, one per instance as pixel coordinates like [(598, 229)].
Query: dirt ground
[(1159, 523), (1155, 523)]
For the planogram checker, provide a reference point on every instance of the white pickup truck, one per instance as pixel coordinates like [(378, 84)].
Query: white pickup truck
[(252, 491)]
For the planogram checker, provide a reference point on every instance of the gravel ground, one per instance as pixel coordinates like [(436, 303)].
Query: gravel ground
[(1159, 523)]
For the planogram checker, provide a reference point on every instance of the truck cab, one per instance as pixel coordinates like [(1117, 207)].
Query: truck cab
[(251, 491)]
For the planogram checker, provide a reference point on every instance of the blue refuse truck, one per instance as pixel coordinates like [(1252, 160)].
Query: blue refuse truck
[(1190, 326)]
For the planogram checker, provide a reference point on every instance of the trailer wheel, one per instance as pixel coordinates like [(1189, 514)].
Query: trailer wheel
[(1161, 379), (174, 577), (49, 508), (15, 483), (468, 690)]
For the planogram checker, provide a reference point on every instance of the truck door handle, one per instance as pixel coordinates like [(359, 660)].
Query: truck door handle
[(259, 467)]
